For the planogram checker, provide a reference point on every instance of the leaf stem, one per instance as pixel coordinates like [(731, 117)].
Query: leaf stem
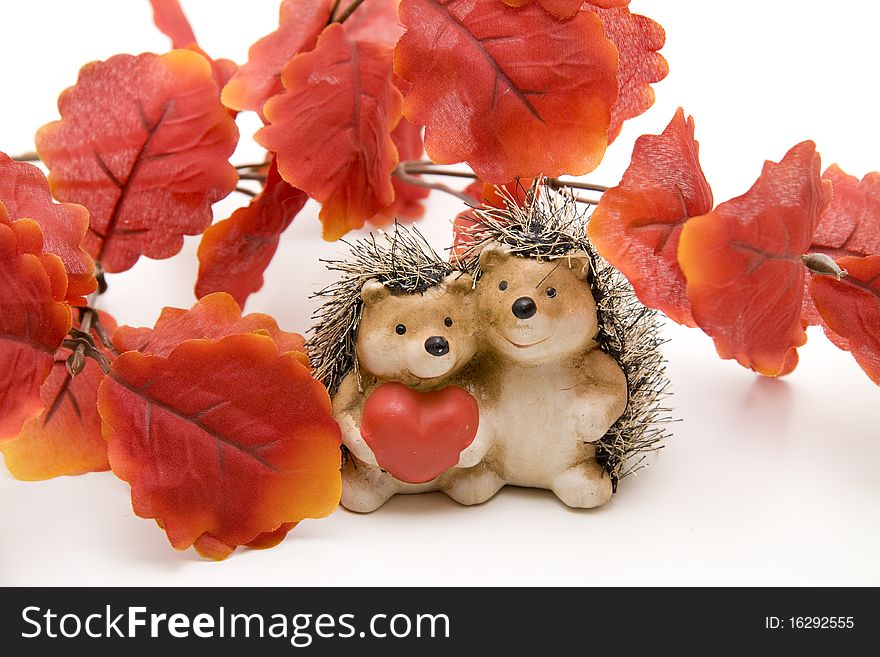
[(253, 167), (30, 156), (348, 11), (246, 192), (404, 174), (252, 176), (333, 11)]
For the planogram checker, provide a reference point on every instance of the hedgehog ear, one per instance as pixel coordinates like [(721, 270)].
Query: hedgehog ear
[(373, 292), (459, 282), (492, 255), (580, 264)]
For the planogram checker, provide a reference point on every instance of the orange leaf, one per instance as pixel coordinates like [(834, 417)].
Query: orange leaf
[(235, 252), (331, 128), (24, 191), (637, 225), (567, 8), (173, 23), (407, 137), (742, 262), (213, 317), (512, 92), (66, 438), (143, 143), (638, 39), (222, 441), (33, 320), (375, 20), (851, 308), (299, 24)]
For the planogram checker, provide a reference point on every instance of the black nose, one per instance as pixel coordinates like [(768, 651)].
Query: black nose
[(524, 307), (437, 346)]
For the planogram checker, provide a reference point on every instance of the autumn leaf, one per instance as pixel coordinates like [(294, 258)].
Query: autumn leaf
[(567, 8), (637, 38), (234, 253), (851, 308), (342, 91), (407, 137), (24, 192), (299, 24), (742, 261), (213, 317), (66, 438), (143, 143), (375, 20), (512, 92), (222, 441), (33, 321), (637, 225), (851, 226), (172, 22)]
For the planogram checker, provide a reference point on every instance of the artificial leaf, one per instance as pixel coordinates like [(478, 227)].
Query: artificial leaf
[(407, 137), (742, 261), (512, 92), (375, 20), (851, 308), (213, 317), (466, 223), (299, 24), (33, 321), (171, 21), (331, 128), (637, 38), (24, 191), (637, 225), (143, 143), (66, 438), (851, 226), (221, 441), (234, 253)]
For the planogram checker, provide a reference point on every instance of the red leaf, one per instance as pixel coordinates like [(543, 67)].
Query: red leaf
[(407, 137), (33, 320), (172, 22), (512, 92), (851, 226), (742, 261), (637, 225), (638, 39), (851, 308), (331, 128), (222, 441), (235, 252), (24, 191), (299, 24), (143, 143), (214, 317), (375, 20), (66, 438)]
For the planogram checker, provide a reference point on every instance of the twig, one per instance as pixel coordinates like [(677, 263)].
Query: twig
[(252, 176), (403, 174), (246, 192), (349, 11), (333, 11), (253, 167), (30, 156)]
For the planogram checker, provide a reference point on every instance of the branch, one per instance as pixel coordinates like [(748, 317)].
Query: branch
[(30, 156), (349, 11), (404, 174), (246, 192)]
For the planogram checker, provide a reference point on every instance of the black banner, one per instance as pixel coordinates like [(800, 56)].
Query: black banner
[(416, 621)]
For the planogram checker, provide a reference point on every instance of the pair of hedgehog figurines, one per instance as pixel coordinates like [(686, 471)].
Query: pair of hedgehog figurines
[(524, 360)]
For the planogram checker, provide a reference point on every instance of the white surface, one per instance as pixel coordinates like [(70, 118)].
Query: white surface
[(765, 482)]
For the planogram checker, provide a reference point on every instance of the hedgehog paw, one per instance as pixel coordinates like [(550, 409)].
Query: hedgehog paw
[(470, 486), (365, 488), (583, 486)]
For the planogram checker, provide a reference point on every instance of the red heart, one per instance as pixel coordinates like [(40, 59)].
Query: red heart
[(416, 436)]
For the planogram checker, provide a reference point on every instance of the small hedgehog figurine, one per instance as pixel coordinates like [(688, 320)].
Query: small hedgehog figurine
[(527, 361)]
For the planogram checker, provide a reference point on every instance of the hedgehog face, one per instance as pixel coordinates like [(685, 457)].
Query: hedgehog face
[(417, 339), (535, 311)]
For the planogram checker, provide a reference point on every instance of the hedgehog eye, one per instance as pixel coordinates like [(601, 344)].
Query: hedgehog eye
[(448, 321), (400, 328), (502, 285), (551, 292)]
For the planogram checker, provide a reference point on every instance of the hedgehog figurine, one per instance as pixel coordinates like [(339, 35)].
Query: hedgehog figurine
[(529, 362)]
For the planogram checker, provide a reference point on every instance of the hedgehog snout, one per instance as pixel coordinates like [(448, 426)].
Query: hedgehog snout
[(437, 345)]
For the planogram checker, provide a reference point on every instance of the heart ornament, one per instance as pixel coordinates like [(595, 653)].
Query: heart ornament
[(416, 436)]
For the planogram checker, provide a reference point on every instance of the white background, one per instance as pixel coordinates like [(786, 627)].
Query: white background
[(765, 482)]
